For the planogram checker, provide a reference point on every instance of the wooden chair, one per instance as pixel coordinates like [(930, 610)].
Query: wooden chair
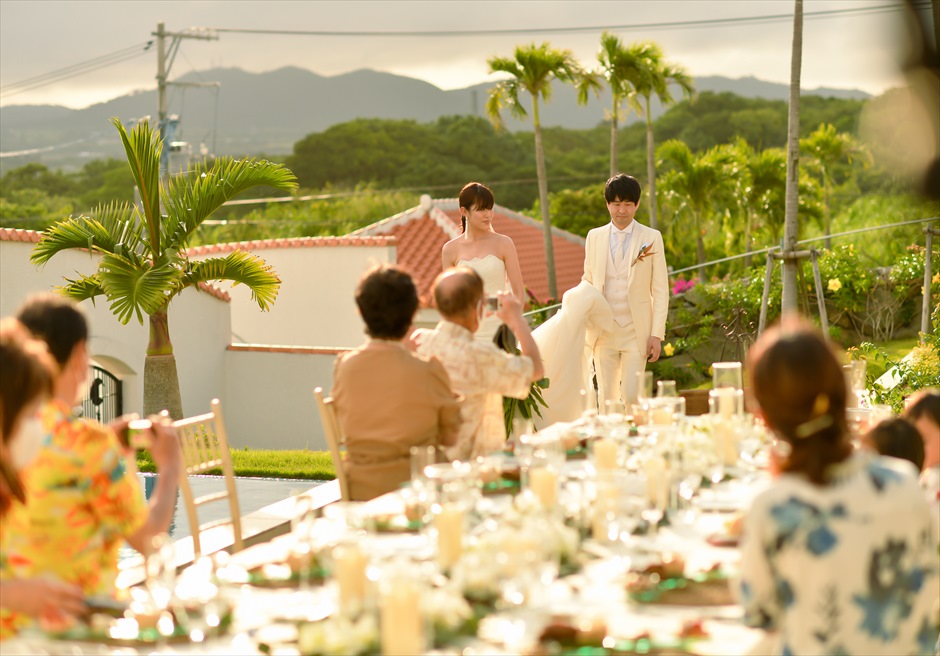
[(204, 443), (334, 438)]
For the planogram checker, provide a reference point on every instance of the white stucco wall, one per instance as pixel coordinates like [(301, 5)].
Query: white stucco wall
[(270, 396), (315, 305), (199, 327)]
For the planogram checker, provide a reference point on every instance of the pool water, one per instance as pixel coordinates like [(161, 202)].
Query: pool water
[(253, 494)]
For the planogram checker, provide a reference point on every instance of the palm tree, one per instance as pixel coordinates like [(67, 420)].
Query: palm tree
[(697, 182), (532, 69), (649, 75), (827, 148), (144, 264), (759, 189), (791, 216), (618, 70)]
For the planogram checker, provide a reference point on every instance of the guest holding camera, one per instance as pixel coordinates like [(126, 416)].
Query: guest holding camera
[(82, 499), (480, 371), (26, 383)]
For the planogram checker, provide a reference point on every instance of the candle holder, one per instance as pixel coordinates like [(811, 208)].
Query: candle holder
[(727, 374)]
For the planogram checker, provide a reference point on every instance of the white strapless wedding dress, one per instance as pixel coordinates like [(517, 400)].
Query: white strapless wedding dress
[(493, 271)]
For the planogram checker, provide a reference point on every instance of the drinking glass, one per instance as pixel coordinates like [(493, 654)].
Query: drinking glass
[(666, 389), (727, 374), (644, 386), (421, 457)]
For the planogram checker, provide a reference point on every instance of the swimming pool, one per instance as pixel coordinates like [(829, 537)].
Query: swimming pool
[(253, 494)]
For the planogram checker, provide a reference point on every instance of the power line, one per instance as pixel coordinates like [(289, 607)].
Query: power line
[(75, 70), (702, 23)]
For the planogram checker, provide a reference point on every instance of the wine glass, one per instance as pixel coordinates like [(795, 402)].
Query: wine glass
[(160, 570)]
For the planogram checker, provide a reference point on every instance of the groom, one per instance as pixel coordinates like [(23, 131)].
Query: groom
[(625, 262)]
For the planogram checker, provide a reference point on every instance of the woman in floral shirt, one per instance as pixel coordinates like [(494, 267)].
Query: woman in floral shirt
[(838, 554)]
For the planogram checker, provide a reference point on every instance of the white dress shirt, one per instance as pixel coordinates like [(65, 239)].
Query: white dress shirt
[(619, 240)]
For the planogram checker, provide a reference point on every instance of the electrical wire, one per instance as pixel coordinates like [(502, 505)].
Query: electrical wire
[(692, 24), (75, 70)]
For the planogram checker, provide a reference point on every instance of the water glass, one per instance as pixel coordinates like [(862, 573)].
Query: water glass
[(421, 457), (644, 386), (727, 374), (666, 389)]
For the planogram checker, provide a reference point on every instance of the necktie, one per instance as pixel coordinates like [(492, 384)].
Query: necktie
[(621, 244)]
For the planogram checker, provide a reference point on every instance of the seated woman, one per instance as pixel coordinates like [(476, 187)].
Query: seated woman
[(387, 398), (25, 384), (923, 410), (837, 554)]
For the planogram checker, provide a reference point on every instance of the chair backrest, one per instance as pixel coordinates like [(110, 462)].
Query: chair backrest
[(204, 444), (334, 438)]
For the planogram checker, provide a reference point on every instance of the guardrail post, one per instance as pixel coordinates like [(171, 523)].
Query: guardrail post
[(820, 300), (765, 297), (925, 326)]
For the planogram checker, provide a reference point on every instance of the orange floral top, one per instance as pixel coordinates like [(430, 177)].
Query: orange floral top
[(80, 505)]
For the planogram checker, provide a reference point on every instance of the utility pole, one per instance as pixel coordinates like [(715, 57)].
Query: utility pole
[(165, 59)]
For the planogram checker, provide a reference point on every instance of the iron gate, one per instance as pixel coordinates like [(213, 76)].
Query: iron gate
[(103, 401)]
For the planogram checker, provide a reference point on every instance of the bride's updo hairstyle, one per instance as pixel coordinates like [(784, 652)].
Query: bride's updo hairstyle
[(799, 386), (474, 196)]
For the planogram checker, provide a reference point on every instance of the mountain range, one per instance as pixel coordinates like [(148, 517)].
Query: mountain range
[(266, 113)]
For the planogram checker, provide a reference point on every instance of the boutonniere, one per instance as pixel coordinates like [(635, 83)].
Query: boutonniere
[(645, 251)]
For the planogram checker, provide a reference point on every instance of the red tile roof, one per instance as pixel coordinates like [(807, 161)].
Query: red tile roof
[(291, 242), (32, 236), (422, 232), (16, 234)]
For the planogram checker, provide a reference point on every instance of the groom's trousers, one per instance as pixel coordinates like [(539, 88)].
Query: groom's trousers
[(617, 359)]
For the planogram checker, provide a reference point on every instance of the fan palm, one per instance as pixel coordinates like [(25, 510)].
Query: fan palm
[(532, 70), (144, 264), (650, 75)]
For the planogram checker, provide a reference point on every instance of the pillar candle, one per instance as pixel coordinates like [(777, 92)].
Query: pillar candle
[(351, 575), (604, 501), (449, 525), (656, 481), (727, 402), (605, 454), (544, 484), (726, 442), (402, 631), (662, 416)]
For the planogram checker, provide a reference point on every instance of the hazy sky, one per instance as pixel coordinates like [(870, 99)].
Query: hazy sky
[(38, 37)]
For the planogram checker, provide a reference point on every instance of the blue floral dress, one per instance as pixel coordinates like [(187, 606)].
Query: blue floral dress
[(850, 568)]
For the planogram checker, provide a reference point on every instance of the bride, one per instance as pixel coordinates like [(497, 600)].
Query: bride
[(489, 253)]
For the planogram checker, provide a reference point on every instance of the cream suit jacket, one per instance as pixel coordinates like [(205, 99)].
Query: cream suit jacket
[(648, 283)]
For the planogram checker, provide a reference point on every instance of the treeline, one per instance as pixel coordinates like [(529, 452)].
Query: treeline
[(366, 170)]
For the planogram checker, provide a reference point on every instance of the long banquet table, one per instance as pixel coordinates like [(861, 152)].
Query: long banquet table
[(592, 596)]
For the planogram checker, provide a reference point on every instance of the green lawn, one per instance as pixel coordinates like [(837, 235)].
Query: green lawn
[(265, 463)]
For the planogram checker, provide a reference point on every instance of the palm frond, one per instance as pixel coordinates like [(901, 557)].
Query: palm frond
[(143, 148), (192, 197), (242, 268), (84, 288), (134, 289), (113, 228), (504, 94)]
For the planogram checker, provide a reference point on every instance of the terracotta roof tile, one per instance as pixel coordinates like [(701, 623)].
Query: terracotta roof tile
[(291, 242), (32, 236), (16, 234)]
